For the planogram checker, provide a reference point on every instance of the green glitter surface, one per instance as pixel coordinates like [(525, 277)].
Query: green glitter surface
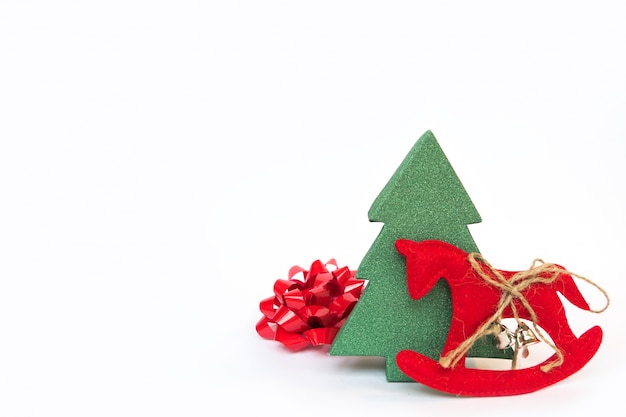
[(424, 199)]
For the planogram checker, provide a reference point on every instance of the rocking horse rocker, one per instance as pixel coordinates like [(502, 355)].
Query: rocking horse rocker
[(481, 297)]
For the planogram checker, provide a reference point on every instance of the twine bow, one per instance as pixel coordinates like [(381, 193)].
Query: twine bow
[(512, 289)]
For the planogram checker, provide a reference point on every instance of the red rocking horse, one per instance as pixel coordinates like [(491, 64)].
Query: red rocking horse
[(481, 296)]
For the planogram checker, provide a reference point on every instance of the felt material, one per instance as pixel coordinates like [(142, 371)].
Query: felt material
[(424, 199), (463, 381), (473, 302)]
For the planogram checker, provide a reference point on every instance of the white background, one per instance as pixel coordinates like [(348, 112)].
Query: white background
[(163, 163)]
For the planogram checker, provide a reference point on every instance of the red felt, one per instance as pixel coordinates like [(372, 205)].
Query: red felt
[(485, 383), (473, 302)]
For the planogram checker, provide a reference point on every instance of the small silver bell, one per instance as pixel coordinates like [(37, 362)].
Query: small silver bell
[(525, 336), (504, 337)]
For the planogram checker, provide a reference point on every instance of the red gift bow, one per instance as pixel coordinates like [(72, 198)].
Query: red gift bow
[(309, 312)]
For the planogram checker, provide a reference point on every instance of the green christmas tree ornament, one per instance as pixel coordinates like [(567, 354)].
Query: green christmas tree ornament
[(423, 200)]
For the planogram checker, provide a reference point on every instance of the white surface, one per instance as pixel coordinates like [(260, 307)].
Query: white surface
[(162, 163)]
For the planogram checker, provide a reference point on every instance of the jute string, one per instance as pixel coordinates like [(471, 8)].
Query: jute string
[(538, 273)]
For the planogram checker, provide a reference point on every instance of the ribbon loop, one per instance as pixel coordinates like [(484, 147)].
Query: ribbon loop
[(309, 312)]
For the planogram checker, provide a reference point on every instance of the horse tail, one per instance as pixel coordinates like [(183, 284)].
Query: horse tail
[(565, 285)]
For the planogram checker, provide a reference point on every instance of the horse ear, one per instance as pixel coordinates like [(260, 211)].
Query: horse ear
[(405, 246), (418, 272)]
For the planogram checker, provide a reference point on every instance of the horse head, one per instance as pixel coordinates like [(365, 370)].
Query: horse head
[(427, 262)]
